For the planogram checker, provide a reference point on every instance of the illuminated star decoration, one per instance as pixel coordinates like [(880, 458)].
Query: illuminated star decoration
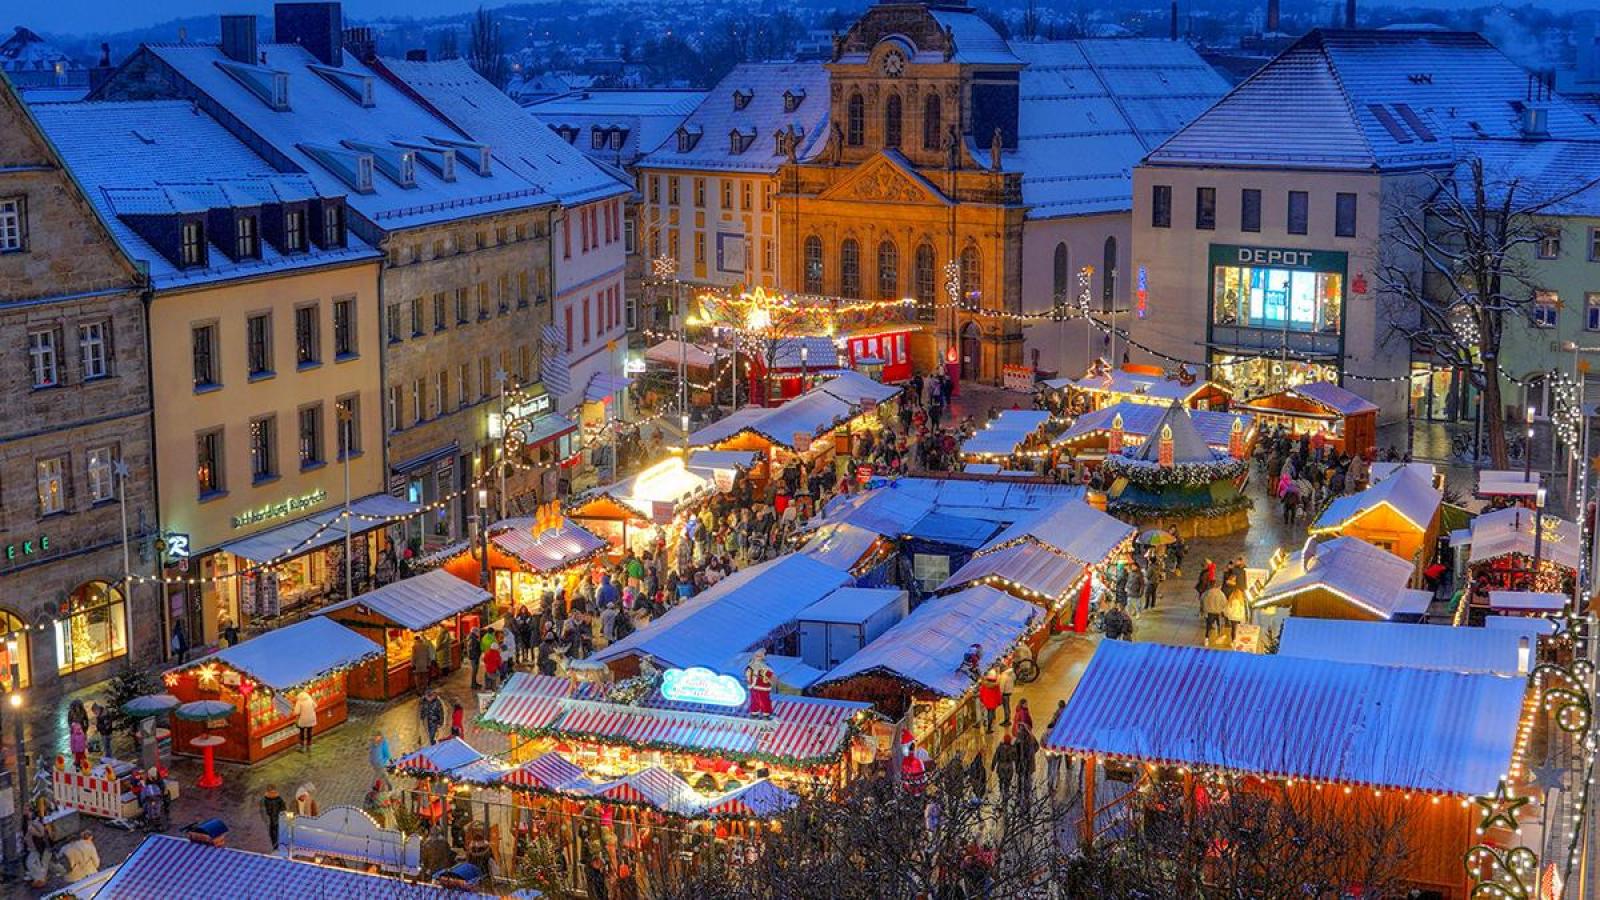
[(1500, 809), (120, 469), (1548, 775)]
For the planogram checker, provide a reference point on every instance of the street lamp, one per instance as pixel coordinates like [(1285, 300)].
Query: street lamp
[(15, 701), (1538, 533), (502, 376), (483, 538), (345, 413), (1527, 450)]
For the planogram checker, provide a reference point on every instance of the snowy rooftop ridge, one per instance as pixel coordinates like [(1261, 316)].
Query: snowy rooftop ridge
[(764, 110)]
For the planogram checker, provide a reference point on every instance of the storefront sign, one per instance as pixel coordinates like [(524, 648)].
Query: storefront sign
[(1279, 258), (701, 685), (25, 549), (280, 509), (532, 406)]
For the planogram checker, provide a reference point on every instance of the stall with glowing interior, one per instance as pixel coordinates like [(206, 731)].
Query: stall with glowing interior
[(1127, 425), (1179, 483), (1343, 578), (529, 556), (1102, 385), (1324, 411), (1016, 438), (434, 607), (263, 678), (634, 512), (1520, 549), (1165, 731)]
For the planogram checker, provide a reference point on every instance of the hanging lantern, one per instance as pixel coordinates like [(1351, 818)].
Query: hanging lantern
[(1114, 441)]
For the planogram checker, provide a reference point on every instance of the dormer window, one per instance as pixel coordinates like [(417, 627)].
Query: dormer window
[(792, 99), (618, 136), (742, 98), (333, 224), (294, 230), (688, 137), (246, 237), (739, 141), (192, 247), (597, 138)]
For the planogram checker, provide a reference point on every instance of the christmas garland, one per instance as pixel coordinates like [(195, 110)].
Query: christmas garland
[(1184, 474), (810, 762), (1215, 510)]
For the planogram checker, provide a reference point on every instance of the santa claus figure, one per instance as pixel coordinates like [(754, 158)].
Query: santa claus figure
[(913, 764), (758, 679)]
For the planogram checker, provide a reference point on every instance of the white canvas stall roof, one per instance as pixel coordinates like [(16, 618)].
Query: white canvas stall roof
[(1074, 529), (318, 529), (1027, 565), (1536, 626), (850, 605), (1158, 388), (287, 657), (1006, 432), (1187, 444), (727, 426), (1510, 530), (1290, 717), (1334, 398), (1366, 576), (672, 351), (546, 551), (1382, 470), (791, 671), (419, 601), (926, 647), (1527, 601), (1402, 644), (1139, 422), (1507, 483), (668, 482), (1408, 492), (811, 414), (855, 388), (840, 545), (734, 615), (737, 460)]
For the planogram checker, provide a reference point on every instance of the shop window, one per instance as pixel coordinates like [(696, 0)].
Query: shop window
[(14, 651), (1546, 307), (1299, 212), (813, 273), (1278, 299), (1549, 243), (93, 628), (1205, 208), (1591, 312), (1250, 210), (1160, 206)]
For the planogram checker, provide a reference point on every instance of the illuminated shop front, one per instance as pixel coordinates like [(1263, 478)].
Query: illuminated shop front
[(529, 557), (434, 607), (92, 628), (1277, 316), (14, 650), (1442, 393)]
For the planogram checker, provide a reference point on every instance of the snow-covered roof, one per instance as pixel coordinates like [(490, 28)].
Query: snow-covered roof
[(1187, 444), (926, 648), (643, 118), (1368, 577), (1004, 434), (1091, 109), (1139, 422), (734, 615), (175, 868), (840, 545), (1508, 482), (852, 605), (718, 116), (1560, 176), (288, 657), (1029, 566), (321, 117), (671, 352), (521, 143), (1140, 387), (165, 157), (419, 601), (1073, 529), (820, 353), (1528, 601), (1408, 492), (902, 506), (1334, 397), (855, 388), (1402, 644), (1510, 530), (655, 493), (1288, 717), (812, 413), (25, 53), (545, 551), (1387, 100), (319, 529), (711, 460), (1382, 470), (727, 426)]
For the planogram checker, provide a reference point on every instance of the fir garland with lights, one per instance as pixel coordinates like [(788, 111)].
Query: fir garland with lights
[(1183, 474)]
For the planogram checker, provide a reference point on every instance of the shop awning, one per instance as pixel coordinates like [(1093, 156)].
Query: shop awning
[(320, 529), (433, 759), (419, 601), (1510, 530), (423, 459), (604, 385), (544, 429), (288, 657), (546, 551)]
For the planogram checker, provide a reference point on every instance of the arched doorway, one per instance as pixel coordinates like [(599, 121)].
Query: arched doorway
[(94, 629), (14, 650), (971, 353)]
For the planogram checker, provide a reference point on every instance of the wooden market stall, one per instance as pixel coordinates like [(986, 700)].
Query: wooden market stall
[(1103, 386), (1015, 434), (917, 665), (809, 428), (1126, 424), (1504, 547), (1147, 719), (1348, 422), (435, 607), (628, 514), (1399, 514), (1344, 578), (529, 557), (262, 678)]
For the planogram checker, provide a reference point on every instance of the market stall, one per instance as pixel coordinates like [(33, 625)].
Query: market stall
[(1344, 578), (434, 607), (263, 677), (1102, 385), (919, 665), (1126, 424), (1507, 487), (528, 557), (1399, 513), (1504, 548), (631, 513), (1178, 483), (1348, 422), (1015, 436)]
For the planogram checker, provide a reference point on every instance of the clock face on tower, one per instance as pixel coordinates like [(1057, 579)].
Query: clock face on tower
[(894, 63)]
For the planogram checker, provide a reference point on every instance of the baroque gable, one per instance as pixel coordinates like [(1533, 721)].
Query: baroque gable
[(882, 180)]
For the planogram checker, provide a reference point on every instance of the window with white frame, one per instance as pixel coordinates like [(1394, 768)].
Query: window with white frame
[(94, 349), (52, 479), (43, 365), (1591, 311), (1546, 308), (13, 233), (1549, 243), (100, 464)]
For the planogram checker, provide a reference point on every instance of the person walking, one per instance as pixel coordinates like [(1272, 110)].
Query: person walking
[(305, 713), (989, 696), (1235, 612), (1024, 717), (378, 758), (1027, 757), (103, 726), (1005, 765), (305, 801), (475, 654), (1008, 683), (1215, 603), (178, 643), (457, 720), (1152, 584), (272, 807), (1204, 582), (421, 663), (491, 667), (431, 712)]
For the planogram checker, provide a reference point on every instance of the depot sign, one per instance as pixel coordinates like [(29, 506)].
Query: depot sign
[(1279, 258)]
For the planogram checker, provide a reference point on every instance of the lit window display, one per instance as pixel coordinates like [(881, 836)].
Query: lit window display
[(13, 652), (1279, 299), (93, 628), (1250, 377)]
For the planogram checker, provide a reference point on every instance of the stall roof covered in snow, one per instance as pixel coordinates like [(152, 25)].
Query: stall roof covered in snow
[(1290, 717), (1004, 434), (856, 389), (654, 494), (1034, 568), (1139, 422), (1508, 482), (734, 615), (1408, 492), (1528, 601), (851, 605), (1510, 530), (813, 413), (927, 647), (840, 545), (419, 601), (772, 97), (175, 868), (1335, 398), (710, 460), (285, 658), (904, 505), (1402, 644), (1140, 387), (1385, 100), (672, 352), (1382, 470), (545, 551), (1187, 444), (1369, 577), (1074, 529)]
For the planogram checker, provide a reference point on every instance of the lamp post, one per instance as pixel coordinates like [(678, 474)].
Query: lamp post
[(14, 700), (1538, 533), (805, 353), (120, 469), (502, 376), (1527, 450), (483, 538), (344, 416)]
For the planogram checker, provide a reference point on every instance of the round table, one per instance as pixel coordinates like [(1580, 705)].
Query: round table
[(208, 744)]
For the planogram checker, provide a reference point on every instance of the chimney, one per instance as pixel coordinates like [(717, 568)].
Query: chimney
[(361, 43), (1272, 17), (101, 73), (315, 26), (1350, 13), (417, 55), (239, 38), (1173, 35)]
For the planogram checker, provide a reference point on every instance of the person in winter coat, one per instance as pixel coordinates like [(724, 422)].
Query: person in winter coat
[(378, 758), (1235, 612), (1005, 765), (81, 857), (305, 801), (1135, 585), (491, 667), (457, 720), (989, 696), (1027, 756), (305, 713), (179, 643), (978, 776), (103, 725), (421, 663), (475, 654), (431, 711), (1024, 718), (79, 743), (1215, 604), (1008, 683), (1204, 582), (272, 806)]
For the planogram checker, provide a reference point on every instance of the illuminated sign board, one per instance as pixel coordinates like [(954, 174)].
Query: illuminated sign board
[(25, 549), (701, 685), (280, 509)]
